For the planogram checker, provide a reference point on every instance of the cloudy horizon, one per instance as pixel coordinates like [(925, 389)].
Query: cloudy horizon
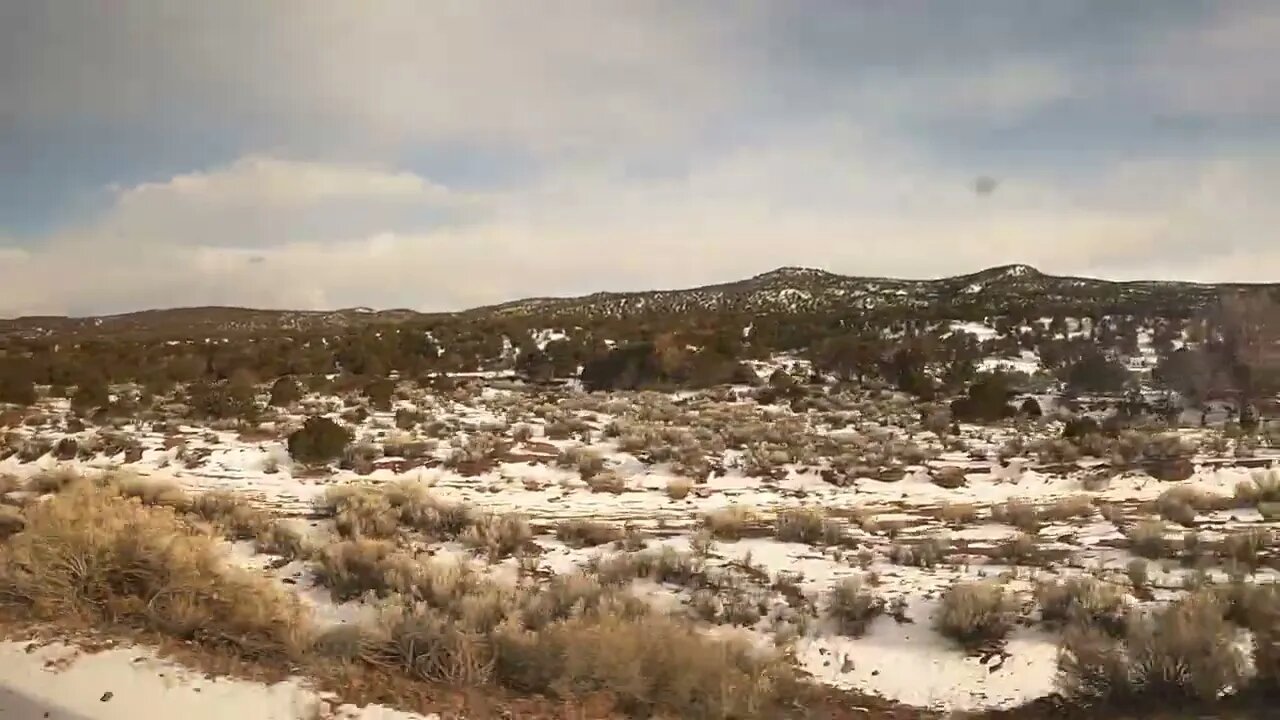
[(454, 154)]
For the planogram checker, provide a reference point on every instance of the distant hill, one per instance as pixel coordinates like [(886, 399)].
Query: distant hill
[(787, 290)]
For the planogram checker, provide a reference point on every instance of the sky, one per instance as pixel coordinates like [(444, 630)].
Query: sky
[(447, 154)]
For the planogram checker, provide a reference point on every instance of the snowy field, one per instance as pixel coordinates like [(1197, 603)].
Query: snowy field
[(907, 511)]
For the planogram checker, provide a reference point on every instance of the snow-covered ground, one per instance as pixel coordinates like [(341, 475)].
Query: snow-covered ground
[(904, 661)]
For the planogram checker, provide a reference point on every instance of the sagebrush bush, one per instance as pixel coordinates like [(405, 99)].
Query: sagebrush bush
[(802, 525), (1147, 538), (1186, 651), (678, 488), (231, 513), (498, 536), (90, 554), (728, 523), (976, 613), (586, 533), (1082, 600), (851, 607)]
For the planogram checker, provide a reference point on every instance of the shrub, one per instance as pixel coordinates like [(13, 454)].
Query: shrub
[(949, 477), (285, 392), (1082, 600), (958, 513), (320, 441), (976, 613), (802, 525), (230, 512), (586, 533), (678, 488), (52, 481), (1246, 547), (379, 392), (283, 540), (1069, 508), (652, 665), (11, 521), (1021, 514), (1184, 652), (1139, 573), (851, 607), (607, 481), (1147, 539), (498, 536), (728, 523), (151, 491), (90, 554), (16, 388)]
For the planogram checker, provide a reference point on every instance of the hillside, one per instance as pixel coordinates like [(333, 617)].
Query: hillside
[(788, 290)]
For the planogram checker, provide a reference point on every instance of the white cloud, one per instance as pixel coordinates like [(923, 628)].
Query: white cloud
[(547, 76), (832, 199), (1227, 66)]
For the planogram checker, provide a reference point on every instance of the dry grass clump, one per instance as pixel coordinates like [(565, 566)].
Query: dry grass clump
[(851, 607), (976, 613), (1147, 538), (230, 512), (949, 477), (1082, 600), (587, 533), (92, 555), (1184, 652), (728, 523)]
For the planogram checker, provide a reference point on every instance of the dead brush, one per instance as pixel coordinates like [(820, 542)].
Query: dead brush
[(151, 491), (283, 540), (678, 488), (1019, 513), (1069, 508), (231, 513), (587, 462), (587, 533), (958, 513), (90, 554), (1147, 539), (975, 614), (728, 523), (498, 536), (806, 525), (851, 607), (56, 480), (11, 521)]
